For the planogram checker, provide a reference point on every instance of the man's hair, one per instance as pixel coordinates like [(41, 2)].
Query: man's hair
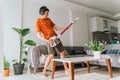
[(43, 9)]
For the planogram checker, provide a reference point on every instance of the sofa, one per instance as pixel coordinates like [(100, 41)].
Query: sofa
[(38, 55), (113, 51)]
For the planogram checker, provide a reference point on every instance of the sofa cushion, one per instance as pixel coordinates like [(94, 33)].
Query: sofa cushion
[(43, 49), (79, 52), (104, 52), (115, 51), (74, 50)]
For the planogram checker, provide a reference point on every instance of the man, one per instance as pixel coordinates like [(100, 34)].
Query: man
[(45, 30)]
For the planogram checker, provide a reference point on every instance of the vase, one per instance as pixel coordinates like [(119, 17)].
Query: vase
[(6, 72), (97, 54), (18, 68)]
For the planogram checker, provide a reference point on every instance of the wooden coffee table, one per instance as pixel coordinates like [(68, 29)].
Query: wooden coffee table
[(72, 61)]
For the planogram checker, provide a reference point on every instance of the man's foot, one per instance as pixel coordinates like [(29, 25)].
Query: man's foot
[(34, 72), (67, 72), (44, 75)]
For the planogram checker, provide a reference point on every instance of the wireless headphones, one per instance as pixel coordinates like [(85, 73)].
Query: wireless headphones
[(43, 9)]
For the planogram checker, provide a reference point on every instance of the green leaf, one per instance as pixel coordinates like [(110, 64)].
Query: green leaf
[(25, 52), (22, 33), (24, 59), (25, 31), (18, 30), (14, 60), (96, 45), (6, 64), (30, 43)]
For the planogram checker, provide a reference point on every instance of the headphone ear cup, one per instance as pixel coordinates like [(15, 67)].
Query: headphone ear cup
[(42, 11)]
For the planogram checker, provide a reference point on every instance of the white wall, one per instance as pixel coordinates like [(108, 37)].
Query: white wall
[(60, 14), (24, 13), (80, 29), (12, 18), (1, 36)]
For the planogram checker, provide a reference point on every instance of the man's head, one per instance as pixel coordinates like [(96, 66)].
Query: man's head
[(42, 10)]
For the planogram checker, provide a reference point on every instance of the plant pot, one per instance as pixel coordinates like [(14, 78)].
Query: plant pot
[(18, 68), (6, 72), (97, 54)]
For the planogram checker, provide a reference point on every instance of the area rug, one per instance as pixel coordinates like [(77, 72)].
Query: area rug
[(87, 76), (116, 78)]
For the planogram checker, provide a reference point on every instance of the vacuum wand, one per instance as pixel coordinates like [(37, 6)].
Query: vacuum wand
[(68, 27), (56, 38)]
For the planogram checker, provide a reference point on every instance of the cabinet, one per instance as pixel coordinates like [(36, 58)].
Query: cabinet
[(103, 36), (97, 24), (104, 24), (118, 24)]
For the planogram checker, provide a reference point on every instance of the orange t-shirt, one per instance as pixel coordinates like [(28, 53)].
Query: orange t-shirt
[(46, 27)]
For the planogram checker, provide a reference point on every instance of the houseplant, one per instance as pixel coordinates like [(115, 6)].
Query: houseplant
[(96, 47), (19, 63), (6, 67)]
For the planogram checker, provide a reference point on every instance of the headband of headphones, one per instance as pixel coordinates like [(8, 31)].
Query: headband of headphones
[(43, 9)]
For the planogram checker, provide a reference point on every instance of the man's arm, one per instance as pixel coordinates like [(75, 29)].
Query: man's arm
[(41, 36), (58, 28)]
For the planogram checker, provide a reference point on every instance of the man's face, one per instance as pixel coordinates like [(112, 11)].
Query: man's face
[(46, 13)]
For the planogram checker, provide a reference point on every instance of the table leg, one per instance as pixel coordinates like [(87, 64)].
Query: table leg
[(71, 68), (53, 68), (88, 66), (109, 67)]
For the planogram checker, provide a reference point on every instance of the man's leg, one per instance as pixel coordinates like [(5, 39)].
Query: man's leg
[(47, 62), (62, 54), (35, 69)]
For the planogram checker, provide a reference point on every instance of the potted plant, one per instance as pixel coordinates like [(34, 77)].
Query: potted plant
[(96, 47), (6, 67), (19, 63)]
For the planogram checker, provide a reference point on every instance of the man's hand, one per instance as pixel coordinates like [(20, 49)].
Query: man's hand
[(54, 41), (40, 36)]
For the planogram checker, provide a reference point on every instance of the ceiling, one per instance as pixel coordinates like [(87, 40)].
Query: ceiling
[(109, 6)]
